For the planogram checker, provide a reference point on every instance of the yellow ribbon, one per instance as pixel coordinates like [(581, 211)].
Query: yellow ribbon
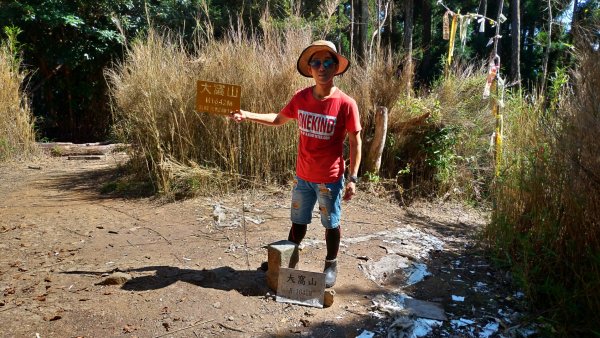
[(452, 39)]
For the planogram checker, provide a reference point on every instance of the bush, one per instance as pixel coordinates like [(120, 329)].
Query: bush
[(438, 143)]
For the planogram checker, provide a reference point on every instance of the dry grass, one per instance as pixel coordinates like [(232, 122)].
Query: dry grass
[(547, 216), (17, 137), (462, 106), (154, 91), (438, 142)]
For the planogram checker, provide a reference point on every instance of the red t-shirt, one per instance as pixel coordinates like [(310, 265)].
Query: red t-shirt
[(323, 125)]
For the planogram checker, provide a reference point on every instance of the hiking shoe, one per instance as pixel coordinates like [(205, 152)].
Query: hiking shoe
[(330, 272)]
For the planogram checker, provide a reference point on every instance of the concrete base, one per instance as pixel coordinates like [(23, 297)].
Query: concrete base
[(280, 254)]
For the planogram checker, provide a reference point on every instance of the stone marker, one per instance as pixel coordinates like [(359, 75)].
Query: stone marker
[(280, 254), (301, 287)]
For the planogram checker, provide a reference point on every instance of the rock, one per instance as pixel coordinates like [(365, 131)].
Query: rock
[(402, 327), (51, 318), (424, 309), (328, 300), (116, 278)]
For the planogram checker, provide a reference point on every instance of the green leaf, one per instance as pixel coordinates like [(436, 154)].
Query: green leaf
[(73, 20)]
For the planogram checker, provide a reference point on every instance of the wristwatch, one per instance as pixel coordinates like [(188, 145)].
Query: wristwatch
[(353, 179)]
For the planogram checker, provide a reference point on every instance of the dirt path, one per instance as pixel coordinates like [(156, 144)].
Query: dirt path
[(192, 277)]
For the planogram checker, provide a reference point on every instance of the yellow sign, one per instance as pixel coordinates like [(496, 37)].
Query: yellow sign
[(217, 98)]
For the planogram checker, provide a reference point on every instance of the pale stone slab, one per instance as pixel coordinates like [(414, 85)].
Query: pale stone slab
[(301, 287)]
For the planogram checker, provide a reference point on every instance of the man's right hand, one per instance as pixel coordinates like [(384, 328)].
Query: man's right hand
[(238, 115)]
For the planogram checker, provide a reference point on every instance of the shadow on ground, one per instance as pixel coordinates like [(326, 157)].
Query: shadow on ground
[(252, 284), (104, 182), (246, 282)]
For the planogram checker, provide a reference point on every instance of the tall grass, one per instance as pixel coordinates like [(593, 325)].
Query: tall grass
[(546, 222), (17, 137), (438, 141), (154, 92)]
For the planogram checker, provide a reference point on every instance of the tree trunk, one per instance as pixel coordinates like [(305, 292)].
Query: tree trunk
[(379, 24), (407, 41), (391, 28), (482, 10), (496, 40), (574, 18), (515, 31), (352, 28), (373, 158), (425, 66), (362, 28), (547, 52)]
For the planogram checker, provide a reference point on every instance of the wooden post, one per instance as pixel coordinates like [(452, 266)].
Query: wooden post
[(373, 160)]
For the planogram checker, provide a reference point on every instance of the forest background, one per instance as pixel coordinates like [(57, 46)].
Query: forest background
[(125, 71)]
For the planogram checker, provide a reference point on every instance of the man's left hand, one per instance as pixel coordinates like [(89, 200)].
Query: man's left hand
[(350, 191)]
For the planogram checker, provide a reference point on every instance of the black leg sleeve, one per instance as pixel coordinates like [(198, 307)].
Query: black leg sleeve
[(297, 233), (332, 238)]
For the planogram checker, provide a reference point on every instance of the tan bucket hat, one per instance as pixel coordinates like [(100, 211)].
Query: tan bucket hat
[(317, 46)]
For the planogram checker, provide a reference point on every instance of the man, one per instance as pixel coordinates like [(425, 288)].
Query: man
[(325, 116)]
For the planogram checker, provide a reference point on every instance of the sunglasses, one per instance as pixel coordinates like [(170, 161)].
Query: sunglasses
[(326, 64)]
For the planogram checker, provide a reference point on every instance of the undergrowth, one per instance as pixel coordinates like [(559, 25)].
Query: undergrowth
[(546, 220)]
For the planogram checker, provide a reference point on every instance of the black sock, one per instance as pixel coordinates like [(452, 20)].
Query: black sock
[(297, 232), (332, 238)]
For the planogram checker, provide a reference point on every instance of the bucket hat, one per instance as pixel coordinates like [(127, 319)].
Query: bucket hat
[(317, 46)]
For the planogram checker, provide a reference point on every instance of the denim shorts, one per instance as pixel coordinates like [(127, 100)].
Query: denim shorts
[(305, 195)]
